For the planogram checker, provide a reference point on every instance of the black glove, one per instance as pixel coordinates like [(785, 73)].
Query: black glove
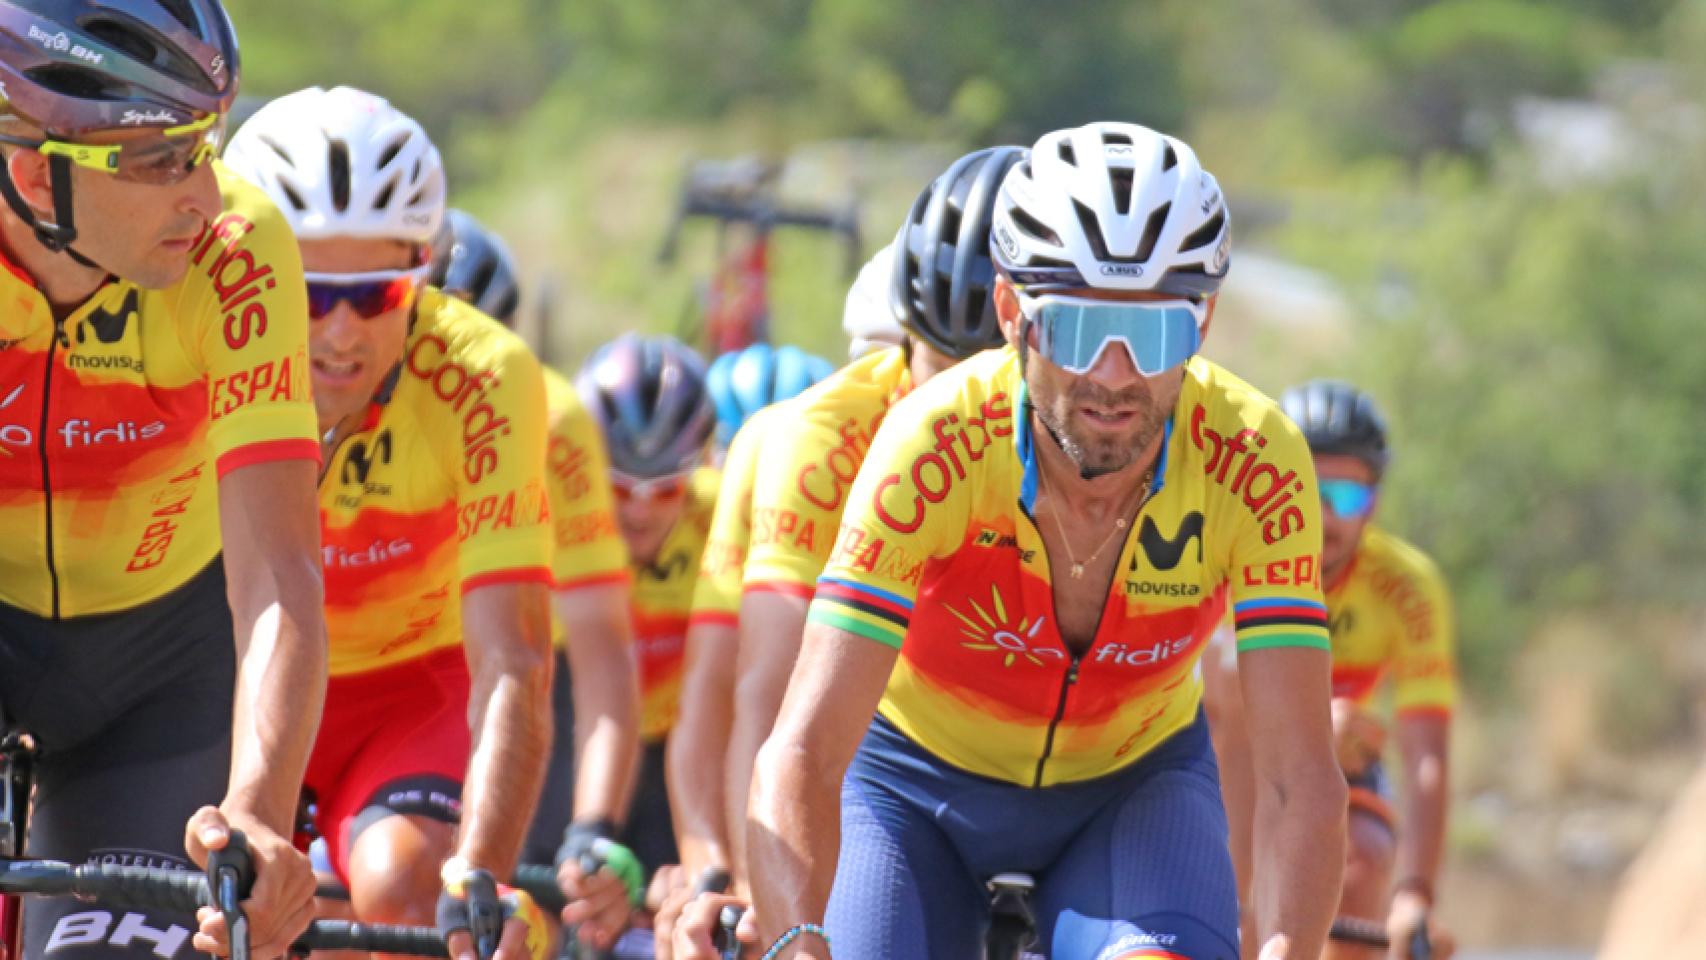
[(469, 901)]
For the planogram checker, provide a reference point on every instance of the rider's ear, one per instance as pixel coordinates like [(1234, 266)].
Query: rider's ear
[(29, 172), (1007, 308)]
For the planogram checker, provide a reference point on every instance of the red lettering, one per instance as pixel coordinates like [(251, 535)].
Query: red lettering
[(883, 514)]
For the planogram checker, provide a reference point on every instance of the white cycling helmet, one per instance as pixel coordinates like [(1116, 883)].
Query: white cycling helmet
[(343, 163), (868, 319), (1115, 206)]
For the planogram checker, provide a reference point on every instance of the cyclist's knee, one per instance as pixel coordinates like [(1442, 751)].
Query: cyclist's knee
[(1369, 858), (393, 869)]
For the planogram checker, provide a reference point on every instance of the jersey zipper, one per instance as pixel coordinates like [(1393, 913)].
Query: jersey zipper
[(1059, 712), (46, 475)]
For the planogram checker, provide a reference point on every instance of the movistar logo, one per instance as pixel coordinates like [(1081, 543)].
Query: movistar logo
[(362, 457), (108, 326), (1164, 553)]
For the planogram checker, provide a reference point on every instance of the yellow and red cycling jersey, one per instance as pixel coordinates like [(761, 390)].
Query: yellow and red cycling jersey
[(721, 572), (116, 424), (796, 508), (662, 604), (939, 556), (1390, 612), (588, 547), (440, 491)]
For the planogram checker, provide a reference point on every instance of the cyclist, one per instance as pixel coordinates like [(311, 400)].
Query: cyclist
[(742, 382), (434, 517), (1037, 547), (1389, 615), (937, 288), (598, 718), (157, 449), (649, 397), (750, 390), (866, 317)]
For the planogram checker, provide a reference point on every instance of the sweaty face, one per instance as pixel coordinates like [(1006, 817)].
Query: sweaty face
[(1340, 536), (351, 354), (141, 232)]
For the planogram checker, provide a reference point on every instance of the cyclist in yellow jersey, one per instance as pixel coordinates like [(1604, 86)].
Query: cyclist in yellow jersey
[(747, 387), (1035, 551), (161, 623), (649, 398), (436, 528), (1389, 618), (598, 719)]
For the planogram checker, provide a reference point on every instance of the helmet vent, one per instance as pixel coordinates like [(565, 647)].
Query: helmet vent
[(337, 162), (1031, 225), (181, 12), (391, 150), (70, 81), (1092, 230), (1116, 138), (1205, 234), (383, 200), (1152, 232), (121, 37), (294, 197), (278, 148), (140, 42), (1067, 154), (1122, 180), (1169, 158)]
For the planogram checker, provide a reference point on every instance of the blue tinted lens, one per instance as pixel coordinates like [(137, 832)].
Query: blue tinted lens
[(1159, 337), (1347, 498)]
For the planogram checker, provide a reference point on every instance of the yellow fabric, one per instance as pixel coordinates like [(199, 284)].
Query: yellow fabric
[(939, 556), (721, 572), (663, 602), (588, 546), (150, 396), (443, 489), (1391, 615), (797, 503)]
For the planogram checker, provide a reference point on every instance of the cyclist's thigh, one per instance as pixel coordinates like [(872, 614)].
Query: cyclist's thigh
[(901, 890), (124, 792), (651, 832), (557, 799), (411, 762), (1150, 873)]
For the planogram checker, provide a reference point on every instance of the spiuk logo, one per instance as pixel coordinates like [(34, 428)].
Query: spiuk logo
[(996, 632)]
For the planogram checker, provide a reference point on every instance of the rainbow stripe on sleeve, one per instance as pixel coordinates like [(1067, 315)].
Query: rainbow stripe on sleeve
[(865, 610), (1280, 622)]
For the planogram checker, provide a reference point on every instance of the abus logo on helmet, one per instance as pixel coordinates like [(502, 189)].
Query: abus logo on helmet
[(1004, 237), (1121, 270)]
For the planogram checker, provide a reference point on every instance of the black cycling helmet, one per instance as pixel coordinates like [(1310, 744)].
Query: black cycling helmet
[(1337, 418), (943, 273), (73, 66), (649, 396), (471, 262)]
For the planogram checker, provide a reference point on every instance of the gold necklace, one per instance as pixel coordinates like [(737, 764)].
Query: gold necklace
[(1119, 525)]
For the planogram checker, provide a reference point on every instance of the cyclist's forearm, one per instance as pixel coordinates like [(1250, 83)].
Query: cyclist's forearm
[(793, 837), (1427, 790), (509, 713), (1300, 855), (698, 749), (762, 683), (606, 721), (281, 687)]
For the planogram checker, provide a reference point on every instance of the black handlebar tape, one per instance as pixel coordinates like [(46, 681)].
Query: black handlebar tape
[(540, 882), (371, 937)]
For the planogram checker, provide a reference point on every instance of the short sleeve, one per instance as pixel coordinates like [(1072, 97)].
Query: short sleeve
[(898, 518), (587, 545), (716, 597), (1275, 567), (250, 329), (1425, 669), (495, 440), (795, 509)]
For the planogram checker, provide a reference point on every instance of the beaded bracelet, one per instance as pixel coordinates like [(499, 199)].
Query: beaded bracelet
[(792, 935)]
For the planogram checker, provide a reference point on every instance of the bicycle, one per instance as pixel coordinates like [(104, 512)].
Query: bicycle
[(736, 304), (1368, 933)]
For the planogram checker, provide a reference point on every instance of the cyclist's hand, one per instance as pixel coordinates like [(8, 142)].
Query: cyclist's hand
[(669, 880), (667, 910), (700, 921), (1410, 914), (282, 901), (600, 900), (1358, 736), (472, 902)]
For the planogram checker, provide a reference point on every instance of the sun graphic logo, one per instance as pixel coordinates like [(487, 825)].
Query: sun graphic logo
[(998, 633)]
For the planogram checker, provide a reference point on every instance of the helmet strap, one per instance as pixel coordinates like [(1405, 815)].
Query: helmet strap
[(57, 237)]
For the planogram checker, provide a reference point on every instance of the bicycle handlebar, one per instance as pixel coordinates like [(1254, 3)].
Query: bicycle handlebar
[(1371, 934), (167, 888)]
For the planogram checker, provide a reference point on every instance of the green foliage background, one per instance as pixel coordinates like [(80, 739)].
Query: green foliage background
[(1535, 341)]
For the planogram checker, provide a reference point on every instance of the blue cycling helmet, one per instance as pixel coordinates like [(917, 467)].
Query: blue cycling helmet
[(742, 382)]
